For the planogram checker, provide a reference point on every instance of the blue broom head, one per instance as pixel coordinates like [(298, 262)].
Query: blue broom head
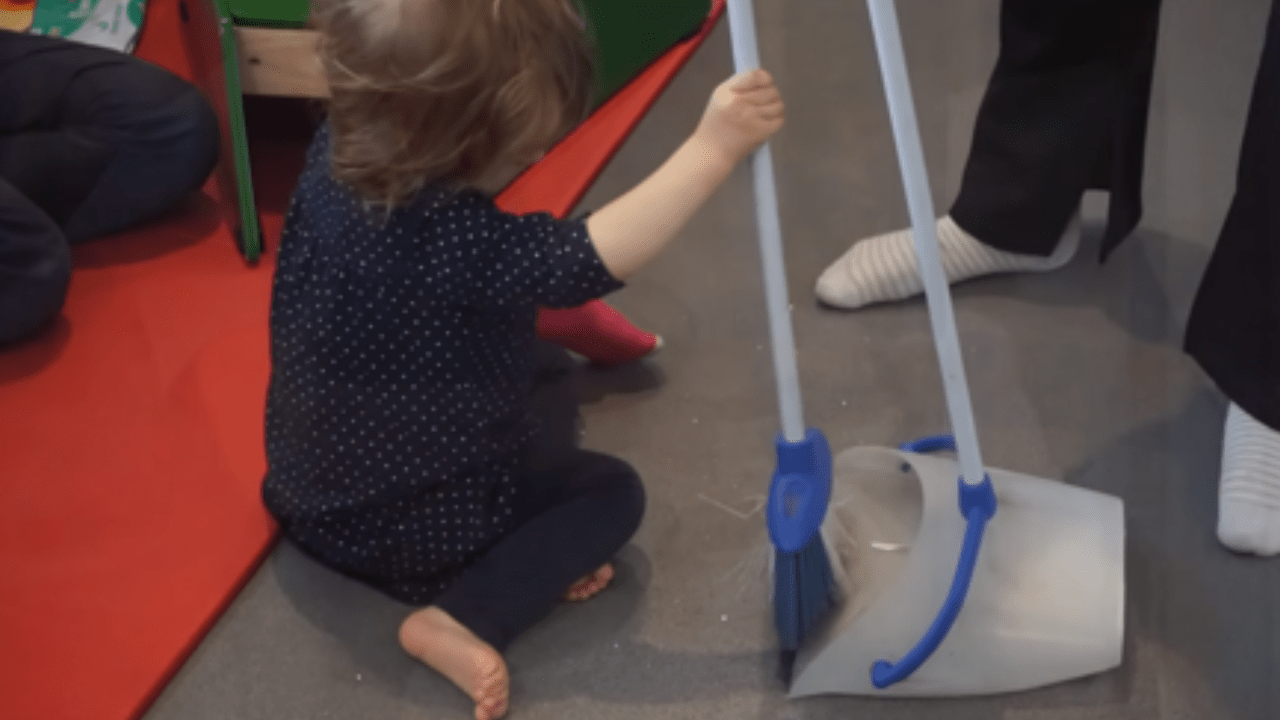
[(800, 491), (804, 586)]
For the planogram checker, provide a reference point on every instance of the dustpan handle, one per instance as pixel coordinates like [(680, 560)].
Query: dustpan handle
[(906, 135), (977, 497), (977, 505), (742, 33)]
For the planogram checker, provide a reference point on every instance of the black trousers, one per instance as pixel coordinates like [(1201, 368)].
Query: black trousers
[(92, 141), (576, 510), (1066, 111)]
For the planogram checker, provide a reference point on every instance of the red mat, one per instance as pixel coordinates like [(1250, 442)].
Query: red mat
[(131, 433)]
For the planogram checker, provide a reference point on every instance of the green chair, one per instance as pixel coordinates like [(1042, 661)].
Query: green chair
[(628, 36), (269, 13)]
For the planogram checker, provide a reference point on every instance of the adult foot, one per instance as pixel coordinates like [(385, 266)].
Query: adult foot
[(884, 268), (597, 332), (590, 585), (1249, 490), (446, 646)]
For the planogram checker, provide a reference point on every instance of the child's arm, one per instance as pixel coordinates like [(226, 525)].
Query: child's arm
[(628, 232)]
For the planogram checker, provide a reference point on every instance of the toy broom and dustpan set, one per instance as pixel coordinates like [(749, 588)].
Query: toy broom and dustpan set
[(908, 587)]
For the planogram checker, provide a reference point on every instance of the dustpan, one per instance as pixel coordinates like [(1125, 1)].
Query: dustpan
[(1044, 604), (1016, 582)]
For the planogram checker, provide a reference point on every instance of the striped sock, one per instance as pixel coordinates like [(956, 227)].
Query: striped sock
[(883, 268), (1249, 490)]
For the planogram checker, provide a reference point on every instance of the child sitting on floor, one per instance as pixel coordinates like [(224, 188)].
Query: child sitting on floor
[(402, 441)]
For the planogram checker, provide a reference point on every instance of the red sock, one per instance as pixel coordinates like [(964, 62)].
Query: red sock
[(597, 332)]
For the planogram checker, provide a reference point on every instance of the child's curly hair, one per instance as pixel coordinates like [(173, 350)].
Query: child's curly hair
[(448, 92)]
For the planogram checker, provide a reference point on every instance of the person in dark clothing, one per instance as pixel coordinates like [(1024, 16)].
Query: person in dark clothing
[(92, 142), (1066, 112)]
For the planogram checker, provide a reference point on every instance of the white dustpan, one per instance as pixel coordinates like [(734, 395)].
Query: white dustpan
[(1046, 600), (1022, 587)]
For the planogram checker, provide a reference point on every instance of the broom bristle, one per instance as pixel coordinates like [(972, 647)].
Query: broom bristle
[(804, 594)]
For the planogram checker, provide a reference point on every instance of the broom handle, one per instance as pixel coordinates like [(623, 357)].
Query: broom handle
[(742, 32), (906, 135)]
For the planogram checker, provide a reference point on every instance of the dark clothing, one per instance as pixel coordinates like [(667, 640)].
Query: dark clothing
[(575, 510), (92, 141), (35, 265), (1234, 331), (399, 417), (577, 514), (1066, 112)]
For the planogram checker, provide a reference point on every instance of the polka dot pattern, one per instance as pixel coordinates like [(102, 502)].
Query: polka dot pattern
[(401, 347)]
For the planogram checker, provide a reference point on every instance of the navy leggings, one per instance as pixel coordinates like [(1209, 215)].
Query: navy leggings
[(576, 510), (92, 141)]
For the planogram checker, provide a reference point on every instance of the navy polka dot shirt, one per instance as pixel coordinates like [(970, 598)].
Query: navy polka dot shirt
[(401, 371)]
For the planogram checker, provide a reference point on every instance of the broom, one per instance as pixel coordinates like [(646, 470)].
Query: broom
[(804, 589)]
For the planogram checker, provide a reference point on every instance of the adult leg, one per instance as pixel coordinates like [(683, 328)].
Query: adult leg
[(35, 266), (98, 139), (1065, 111), (1234, 330)]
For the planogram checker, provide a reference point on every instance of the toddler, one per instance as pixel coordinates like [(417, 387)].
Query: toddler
[(403, 444)]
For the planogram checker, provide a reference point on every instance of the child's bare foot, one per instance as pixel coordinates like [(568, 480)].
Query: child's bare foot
[(434, 637), (591, 584)]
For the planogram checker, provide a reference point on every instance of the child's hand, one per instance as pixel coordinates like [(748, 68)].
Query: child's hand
[(744, 112)]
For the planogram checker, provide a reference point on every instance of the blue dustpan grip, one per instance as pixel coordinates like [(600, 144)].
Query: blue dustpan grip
[(977, 499), (977, 505), (930, 443)]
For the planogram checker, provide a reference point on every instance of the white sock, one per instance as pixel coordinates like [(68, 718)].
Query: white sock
[(884, 267), (1249, 491)]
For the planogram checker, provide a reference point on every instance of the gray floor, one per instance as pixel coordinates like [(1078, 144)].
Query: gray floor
[(1076, 375)]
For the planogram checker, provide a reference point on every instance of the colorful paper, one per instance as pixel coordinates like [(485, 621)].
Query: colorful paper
[(113, 24)]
